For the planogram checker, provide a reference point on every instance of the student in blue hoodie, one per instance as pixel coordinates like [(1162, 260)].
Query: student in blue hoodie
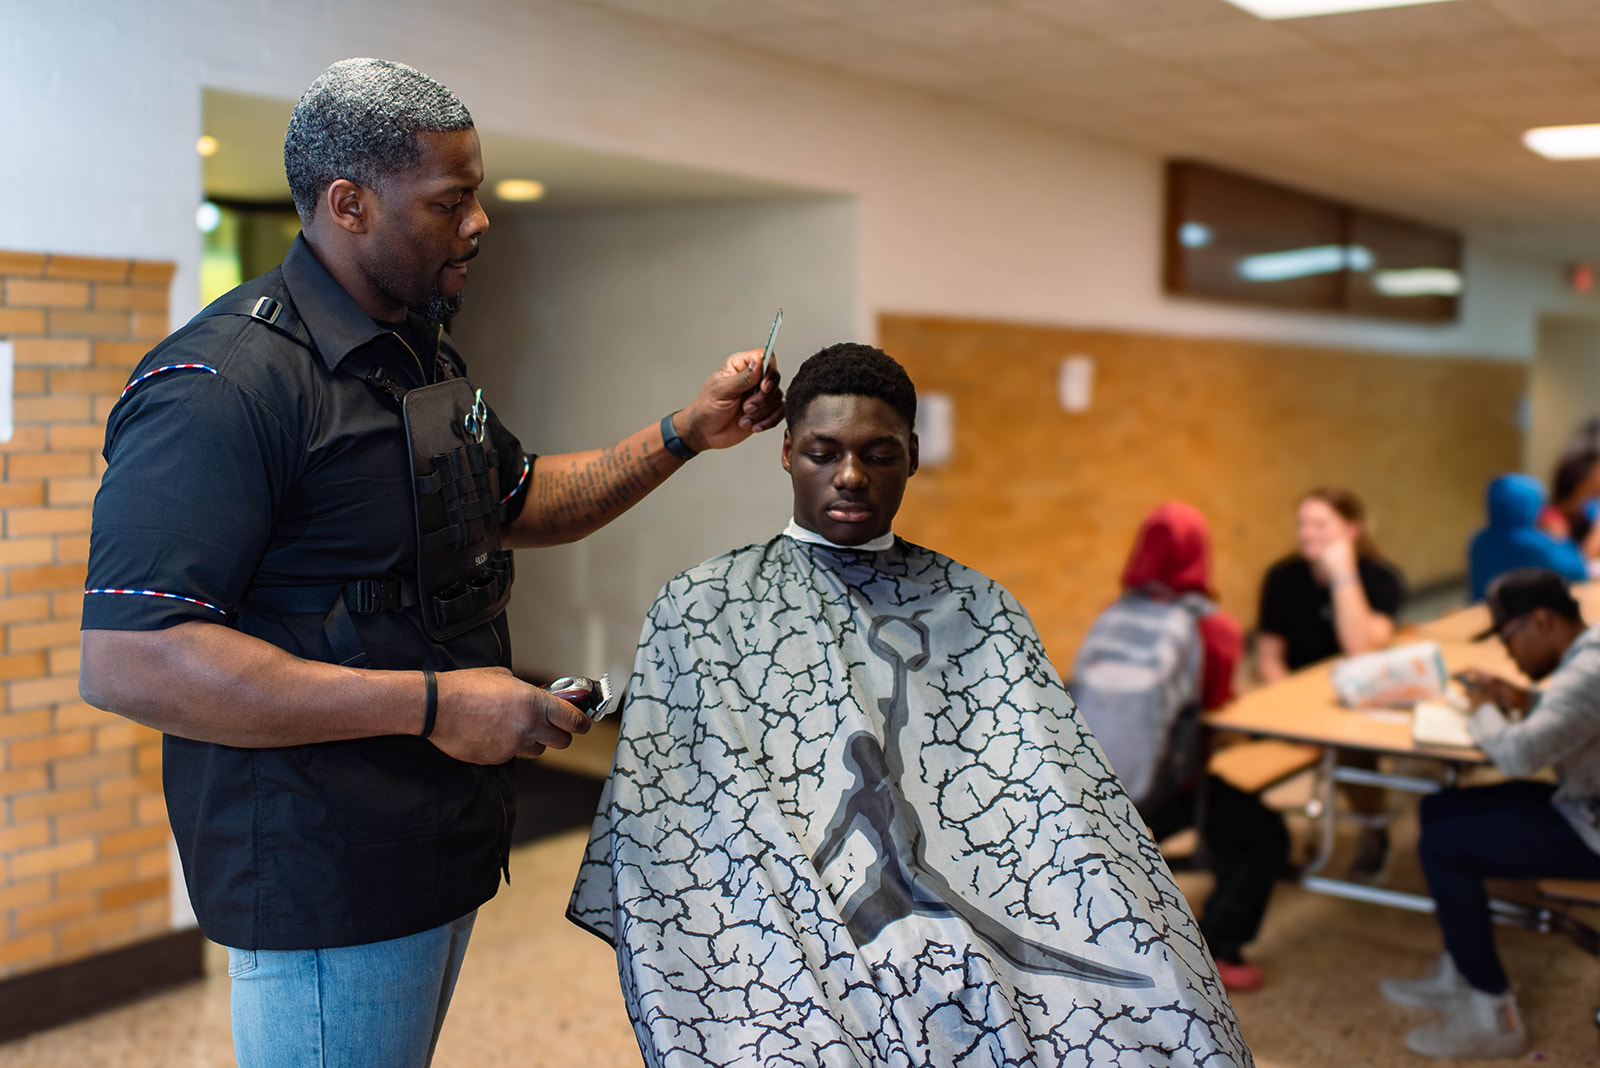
[(1512, 540)]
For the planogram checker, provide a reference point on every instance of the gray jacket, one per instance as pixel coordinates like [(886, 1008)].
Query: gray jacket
[(1561, 731)]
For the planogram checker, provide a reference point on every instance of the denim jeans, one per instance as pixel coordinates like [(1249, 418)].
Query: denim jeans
[(1505, 831), (378, 1005)]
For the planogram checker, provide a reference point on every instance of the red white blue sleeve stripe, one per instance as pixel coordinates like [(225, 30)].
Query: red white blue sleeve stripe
[(169, 596), (169, 367), (526, 469)]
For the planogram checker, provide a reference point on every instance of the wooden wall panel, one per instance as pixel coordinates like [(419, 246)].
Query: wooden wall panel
[(1047, 502)]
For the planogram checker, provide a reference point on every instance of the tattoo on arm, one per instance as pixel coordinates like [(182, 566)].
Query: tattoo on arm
[(586, 495)]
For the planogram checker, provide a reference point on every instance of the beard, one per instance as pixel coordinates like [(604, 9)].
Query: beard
[(396, 289)]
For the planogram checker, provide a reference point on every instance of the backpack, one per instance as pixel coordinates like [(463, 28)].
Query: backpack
[(1136, 682)]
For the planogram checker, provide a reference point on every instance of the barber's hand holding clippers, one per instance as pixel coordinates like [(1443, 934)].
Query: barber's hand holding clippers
[(488, 716)]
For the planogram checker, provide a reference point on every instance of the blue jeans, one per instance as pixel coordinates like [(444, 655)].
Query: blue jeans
[(1506, 831), (378, 1005)]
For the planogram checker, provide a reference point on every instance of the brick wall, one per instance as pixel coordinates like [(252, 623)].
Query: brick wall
[(83, 829)]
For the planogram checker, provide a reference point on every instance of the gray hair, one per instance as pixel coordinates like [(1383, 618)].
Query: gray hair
[(359, 121)]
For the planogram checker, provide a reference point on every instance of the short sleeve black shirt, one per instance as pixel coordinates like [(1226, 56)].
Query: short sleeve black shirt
[(244, 457), (1299, 609)]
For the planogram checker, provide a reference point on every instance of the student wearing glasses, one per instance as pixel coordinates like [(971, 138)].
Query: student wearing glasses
[(1513, 830)]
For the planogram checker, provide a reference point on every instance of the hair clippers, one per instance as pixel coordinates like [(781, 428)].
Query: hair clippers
[(593, 697)]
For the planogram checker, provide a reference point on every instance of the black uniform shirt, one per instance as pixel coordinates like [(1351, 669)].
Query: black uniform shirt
[(240, 459), (1299, 609)]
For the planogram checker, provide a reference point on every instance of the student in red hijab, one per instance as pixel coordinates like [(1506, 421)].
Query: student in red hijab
[(1159, 657)]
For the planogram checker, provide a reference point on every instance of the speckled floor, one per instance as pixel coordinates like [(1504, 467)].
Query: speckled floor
[(537, 991)]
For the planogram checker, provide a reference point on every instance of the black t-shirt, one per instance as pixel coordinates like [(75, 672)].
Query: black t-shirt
[(1299, 609)]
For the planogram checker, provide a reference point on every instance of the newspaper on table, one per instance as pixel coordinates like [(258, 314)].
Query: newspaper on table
[(1391, 678)]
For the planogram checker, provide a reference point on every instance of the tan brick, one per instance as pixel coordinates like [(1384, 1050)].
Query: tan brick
[(64, 659), (26, 522), (51, 351), (144, 298), (152, 809), (129, 786), (27, 438), (28, 380), (99, 412), (155, 915), (62, 491), (88, 380), (96, 821), (95, 876), (129, 841), (120, 353), (27, 893), (23, 494), (71, 408), (152, 272), (23, 780), (121, 735), (41, 293), (74, 714), (23, 665), (117, 897), (51, 803), (65, 605), (36, 692), (27, 751), (148, 758), (27, 551), (87, 436), (98, 931), (53, 912), (24, 836), (151, 325), (16, 952), (34, 579), (88, 268), (153, 862), (72, 549), (22, 724), (75, 771), (15, 321), (26, 263), (56, 858), (22, 637), (117, 323)]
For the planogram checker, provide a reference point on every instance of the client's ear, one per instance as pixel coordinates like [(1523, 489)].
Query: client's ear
[(787, 443), (914, 457)]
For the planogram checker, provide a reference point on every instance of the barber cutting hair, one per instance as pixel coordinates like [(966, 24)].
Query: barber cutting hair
[(299, 569)]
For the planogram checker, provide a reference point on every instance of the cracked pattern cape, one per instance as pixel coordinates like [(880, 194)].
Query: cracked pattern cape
[(855, 819)]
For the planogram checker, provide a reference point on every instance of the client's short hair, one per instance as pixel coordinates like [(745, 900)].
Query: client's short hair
[(852, 369)]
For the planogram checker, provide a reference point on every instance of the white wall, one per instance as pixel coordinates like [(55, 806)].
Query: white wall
[(1563, 389), (962, 212), (584, 326)]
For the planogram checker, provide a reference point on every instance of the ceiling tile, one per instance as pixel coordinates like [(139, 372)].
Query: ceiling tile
[(1581, 43), (1004, 42), (1118, 16), (1547, 13)]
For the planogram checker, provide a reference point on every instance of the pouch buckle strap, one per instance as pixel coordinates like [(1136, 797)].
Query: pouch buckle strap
[(367, 596)]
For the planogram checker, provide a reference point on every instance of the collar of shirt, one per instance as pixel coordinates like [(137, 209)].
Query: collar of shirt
[(336, 322), (800, 533)]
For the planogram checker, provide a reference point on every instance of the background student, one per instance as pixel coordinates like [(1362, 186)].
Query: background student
[(1336, 596)]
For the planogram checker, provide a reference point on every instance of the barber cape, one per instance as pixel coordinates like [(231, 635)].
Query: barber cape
[(854, 819)]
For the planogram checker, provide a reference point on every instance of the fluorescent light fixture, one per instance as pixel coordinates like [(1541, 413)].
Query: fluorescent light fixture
[(1565, 142), (1194, 235), (207, 217), (1299, 9), (518, 189), (206, 145), (1301, 262), (1418, 282)]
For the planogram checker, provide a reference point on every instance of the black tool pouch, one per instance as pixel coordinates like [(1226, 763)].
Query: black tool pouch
[(463, 575)]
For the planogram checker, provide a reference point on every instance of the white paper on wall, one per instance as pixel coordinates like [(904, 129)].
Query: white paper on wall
[(1076, 383), (936, 428)]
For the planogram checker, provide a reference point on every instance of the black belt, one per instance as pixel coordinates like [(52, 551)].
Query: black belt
[(338, 602)]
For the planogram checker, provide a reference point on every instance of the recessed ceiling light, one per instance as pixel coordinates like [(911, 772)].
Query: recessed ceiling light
[(1565, 142), (518, 189), (206, 145), (1299, 9)]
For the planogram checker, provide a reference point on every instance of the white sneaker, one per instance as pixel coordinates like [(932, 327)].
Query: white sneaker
[(1475, 1026), (1436, 990)]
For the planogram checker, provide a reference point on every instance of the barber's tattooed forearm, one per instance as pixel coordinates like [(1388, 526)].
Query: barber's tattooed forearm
[(582, 494)]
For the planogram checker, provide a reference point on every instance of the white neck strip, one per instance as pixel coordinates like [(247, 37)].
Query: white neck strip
[(800, 533)]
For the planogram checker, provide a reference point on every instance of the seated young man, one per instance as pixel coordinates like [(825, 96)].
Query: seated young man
[(1520, 829), (854, 817)]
